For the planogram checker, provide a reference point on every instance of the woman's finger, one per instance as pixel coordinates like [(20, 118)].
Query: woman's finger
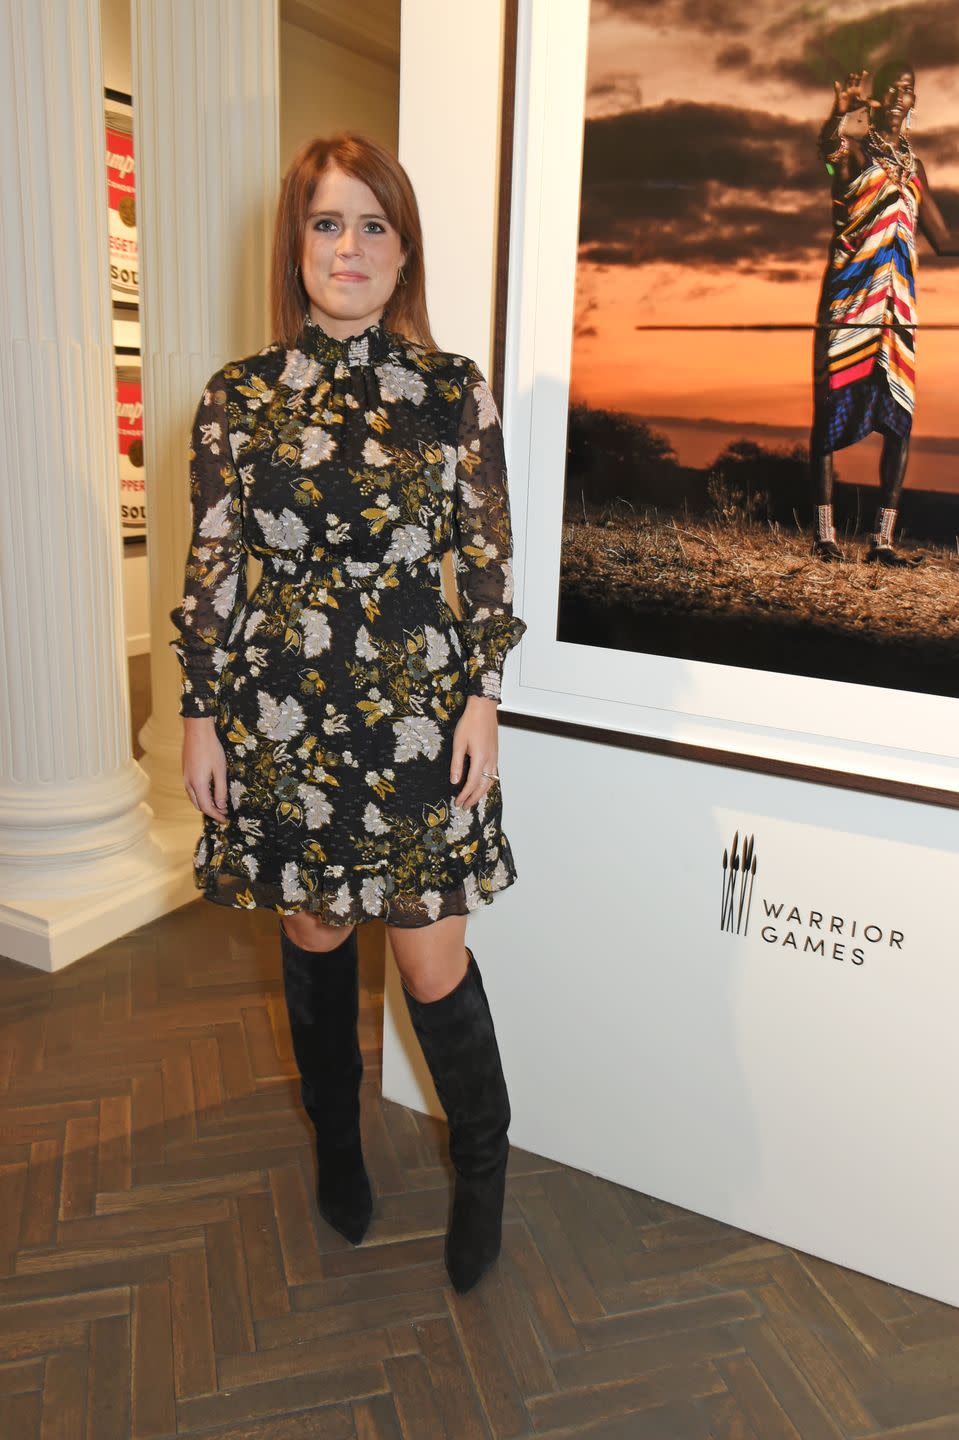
[(478, 783)]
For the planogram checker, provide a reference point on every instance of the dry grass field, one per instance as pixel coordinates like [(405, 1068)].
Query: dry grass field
[(754, 595)]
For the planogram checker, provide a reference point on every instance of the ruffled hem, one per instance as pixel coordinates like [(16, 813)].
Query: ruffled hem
[(476, 890)]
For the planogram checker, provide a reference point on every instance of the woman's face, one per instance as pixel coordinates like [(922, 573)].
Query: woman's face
[(351, 254), (896, 100)]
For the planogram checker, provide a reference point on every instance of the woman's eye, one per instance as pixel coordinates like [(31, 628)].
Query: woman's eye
[(377, 227)]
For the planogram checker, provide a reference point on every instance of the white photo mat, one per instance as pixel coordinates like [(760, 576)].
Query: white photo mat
[(890, 735)]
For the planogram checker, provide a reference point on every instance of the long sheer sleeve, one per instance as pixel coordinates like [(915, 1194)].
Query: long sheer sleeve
[(216, 559), (483, 542)]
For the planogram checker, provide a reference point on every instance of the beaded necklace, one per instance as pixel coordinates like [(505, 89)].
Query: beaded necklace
[(898, 161)]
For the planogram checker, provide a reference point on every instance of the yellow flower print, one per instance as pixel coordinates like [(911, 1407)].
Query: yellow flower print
[(373, 710), (436, 814)]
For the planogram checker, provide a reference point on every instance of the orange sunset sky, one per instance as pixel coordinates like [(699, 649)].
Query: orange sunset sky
[(705, 203)]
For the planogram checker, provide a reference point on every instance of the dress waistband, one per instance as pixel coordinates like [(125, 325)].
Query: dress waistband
[(343, 572)]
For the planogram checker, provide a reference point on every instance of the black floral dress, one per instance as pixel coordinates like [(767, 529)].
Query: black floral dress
[(349, 467)]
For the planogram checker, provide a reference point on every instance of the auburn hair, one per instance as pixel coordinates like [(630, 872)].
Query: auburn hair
[(365, 159)]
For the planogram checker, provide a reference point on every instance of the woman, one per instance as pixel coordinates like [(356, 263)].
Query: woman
[(340, 727), (866, 332)]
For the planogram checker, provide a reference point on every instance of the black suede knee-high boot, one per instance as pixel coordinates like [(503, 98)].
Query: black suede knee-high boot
[(459, 1044), (322, 1002)]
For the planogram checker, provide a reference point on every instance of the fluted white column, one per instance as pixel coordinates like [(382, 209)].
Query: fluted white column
[(205, 79), (74, 828)]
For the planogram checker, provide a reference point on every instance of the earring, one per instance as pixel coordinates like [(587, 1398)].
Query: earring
[(400, 276)]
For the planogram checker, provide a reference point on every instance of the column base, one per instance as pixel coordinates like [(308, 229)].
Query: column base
[(75, 910)]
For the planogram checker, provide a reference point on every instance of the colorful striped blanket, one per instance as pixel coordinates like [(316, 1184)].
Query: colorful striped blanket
[(865, 353)]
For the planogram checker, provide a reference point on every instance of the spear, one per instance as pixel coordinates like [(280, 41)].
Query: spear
[(752, 880), (747, 861), (734, 864), (722, 921)]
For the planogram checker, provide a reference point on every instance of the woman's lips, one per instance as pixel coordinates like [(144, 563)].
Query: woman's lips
[(348, 275)]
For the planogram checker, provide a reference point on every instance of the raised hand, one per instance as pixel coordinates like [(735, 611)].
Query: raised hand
[(854, 93)]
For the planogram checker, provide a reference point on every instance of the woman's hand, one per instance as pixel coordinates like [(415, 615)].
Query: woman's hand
[(475, 736), (854, 93), (204, 766)]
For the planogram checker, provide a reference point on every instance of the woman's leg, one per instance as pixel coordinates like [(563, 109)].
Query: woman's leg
[(444, 995), (321, 984)]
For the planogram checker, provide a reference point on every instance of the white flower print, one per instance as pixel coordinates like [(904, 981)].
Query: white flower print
[(471, 887), (397, 382), (316, 632), (373, 820), (252, 622), (416, 735), (358, 353), (316, 806), (292, 889), (318, 445), (409, 543), (279, 719), (238, 442), (460, 821), (335, 722), (365, 648), (486, 411), (216, 522), (251, 865), (450, 458), (237, 791), (431, 901), (437, 649), (340, 904), (300, 372), (337, 530), (371, 894), (224, 596), (212, 433), (285, 531), (374, 454)]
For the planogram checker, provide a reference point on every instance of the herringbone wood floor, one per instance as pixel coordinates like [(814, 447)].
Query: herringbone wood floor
[(163, 1270)]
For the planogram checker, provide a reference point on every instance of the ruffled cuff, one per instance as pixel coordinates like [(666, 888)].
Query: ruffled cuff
[(486, 643), (198, 690)]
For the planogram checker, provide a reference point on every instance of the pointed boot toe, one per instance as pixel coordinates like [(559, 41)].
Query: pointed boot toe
[(474, 1239), (344, 1196)]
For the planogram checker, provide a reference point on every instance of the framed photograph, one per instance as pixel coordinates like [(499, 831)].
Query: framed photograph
[(715, 375), (121, 199)]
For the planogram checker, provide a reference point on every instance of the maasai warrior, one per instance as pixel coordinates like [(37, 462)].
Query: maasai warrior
[(866, 331)]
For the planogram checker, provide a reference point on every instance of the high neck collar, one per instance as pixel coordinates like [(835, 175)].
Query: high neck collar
[(367, 347)]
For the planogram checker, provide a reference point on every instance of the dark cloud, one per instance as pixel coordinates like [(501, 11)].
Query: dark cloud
[(736, 56), (618, 90), (927, 34), (708, 186), (706, 17)]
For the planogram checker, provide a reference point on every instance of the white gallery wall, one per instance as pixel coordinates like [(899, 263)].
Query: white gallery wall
[(791, 1076)]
